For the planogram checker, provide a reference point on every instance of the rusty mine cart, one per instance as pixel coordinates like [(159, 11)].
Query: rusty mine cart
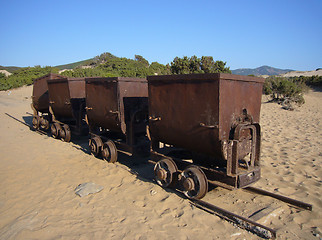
[(67, 107), (40, 102), (117, 115), (208, 125)]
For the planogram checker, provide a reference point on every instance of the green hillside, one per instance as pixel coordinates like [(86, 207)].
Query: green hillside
[(108, 65), (74, 65), (9, 69)]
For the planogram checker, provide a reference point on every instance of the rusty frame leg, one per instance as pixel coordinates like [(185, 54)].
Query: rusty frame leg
[(232, 158)]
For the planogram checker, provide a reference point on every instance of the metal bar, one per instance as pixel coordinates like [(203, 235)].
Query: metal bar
[(38, 130), (154, 119), (242, 222), (294, 202), (17, 119), (208, 126), (234, 169)]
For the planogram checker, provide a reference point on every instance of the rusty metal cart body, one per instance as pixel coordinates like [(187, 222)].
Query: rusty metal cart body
[(214, 118), (67, 106), (117, 115), (40, 101)]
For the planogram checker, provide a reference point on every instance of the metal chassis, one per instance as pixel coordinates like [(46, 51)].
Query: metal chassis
[(130, 145)]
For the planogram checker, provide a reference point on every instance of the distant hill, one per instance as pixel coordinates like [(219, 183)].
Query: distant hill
[(9, 69), (60, 67), (92, 62), (263, 70), (73, 65)]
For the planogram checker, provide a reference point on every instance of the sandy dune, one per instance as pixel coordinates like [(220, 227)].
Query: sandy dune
[(302, 73), (38, 175), (5, 72)]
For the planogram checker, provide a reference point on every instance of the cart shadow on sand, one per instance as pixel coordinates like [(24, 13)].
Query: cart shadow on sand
[(137, 165), (140, 166)]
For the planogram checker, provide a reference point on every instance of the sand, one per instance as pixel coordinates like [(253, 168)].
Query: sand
[(39, 174), (317, 72), (5, 72)]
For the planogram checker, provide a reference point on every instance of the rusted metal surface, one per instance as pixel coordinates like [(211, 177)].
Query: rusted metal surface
[(118, 105), (66, 95), (216, 115), (67, 106), (194, 182), (291, 201), (40, 97), (108, 100), (165, 171), (240, 221), (40, 102)]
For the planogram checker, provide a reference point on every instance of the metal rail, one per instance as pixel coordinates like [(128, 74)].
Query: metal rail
[(247, 223), (242, 222), (291, 201), (37, 130)]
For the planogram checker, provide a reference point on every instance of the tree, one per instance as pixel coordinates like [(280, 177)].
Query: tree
[(205, 64), (180, 65), (159, 69), (142, 60)]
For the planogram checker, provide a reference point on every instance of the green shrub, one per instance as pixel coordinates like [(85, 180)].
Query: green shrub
[(194, 64), (24, 76), (310, 81), (282, 89)]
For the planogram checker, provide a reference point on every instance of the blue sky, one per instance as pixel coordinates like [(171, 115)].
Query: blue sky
[(243, 33)]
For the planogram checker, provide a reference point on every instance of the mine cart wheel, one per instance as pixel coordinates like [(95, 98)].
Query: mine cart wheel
[(35, 122), (194, 182), (55, 130), (95, 145), (109, 151), (65, 133), (45, 124), (165, 172)]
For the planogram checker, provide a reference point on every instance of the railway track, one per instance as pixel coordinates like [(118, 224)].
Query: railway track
[(239, 221), (247, 223)]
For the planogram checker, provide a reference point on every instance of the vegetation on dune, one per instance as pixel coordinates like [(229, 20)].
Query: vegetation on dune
[(9, 69), (194, 64), (282, 89), (289, 90), (73, 65), (107, 65), (309, 81), (24, 76)]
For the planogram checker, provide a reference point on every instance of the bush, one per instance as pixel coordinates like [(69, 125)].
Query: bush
[(87, 72), (194, 64), (105, 65), (24, 76), (310, 81), (283, 89)]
